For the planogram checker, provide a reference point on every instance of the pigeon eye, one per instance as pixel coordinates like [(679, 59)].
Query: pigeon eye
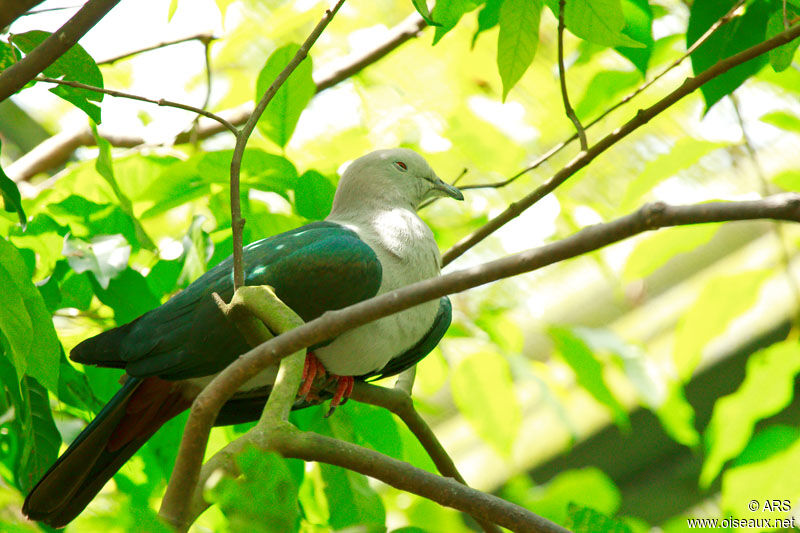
[(401, 166)]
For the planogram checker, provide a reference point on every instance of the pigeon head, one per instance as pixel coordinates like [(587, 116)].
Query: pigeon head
[(397, 177)]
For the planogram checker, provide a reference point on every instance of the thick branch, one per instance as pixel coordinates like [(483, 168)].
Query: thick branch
[(313, 447), (642, 117), (17, 75), (237, 222), (57, 149), (334, 323)]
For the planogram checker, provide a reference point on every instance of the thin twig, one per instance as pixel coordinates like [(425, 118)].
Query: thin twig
[(562, 76), (642, 117), (207, 100), (780, 236), (205, 38), (160, 102), (56, 150), (333, 323), (237, 222), (17, 75), (627, 98)]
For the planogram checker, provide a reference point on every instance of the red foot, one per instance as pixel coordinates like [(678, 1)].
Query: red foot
[(344, 388), (311, 369)]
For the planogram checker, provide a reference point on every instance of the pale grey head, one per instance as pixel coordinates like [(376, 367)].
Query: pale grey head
[(397, 177)]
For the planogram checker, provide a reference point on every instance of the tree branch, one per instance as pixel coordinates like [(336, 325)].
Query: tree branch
[(642, 117), (562, 77), (17, 75), (205, 38), (309, 446), (333, 323), (237, 222), (724, 19), (57, 149), (159, 102)]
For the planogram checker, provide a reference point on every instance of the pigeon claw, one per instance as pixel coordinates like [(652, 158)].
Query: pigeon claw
[(311, 369), (344, 388)]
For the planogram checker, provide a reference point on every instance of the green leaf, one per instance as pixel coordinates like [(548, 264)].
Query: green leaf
[(74, 65), (740, 33), (767, 388), (264, 498), (40, 436), (773, 477), (677, 417), (447, 13), (86, 219), (684, 153), (197, 250), (766, 443), (656, 250), (783, 120), (351, 501), (587, 520), (25, 321), (173, 6), (584, 486), (603, 90), (280, 118), (313, 195), (588, 371), (638, 26), (8, 55), (128, 295), (597, 21), (517, 39), (12, 201), (422, 8), (721, 300), (780, 58), (488, 17), (483, 391), (788, 180)]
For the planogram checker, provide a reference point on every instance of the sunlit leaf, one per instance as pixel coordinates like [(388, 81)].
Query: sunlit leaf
[(783, 120), (597, 21), (488, 17), (720, 301), (517, 40), (655, 250), (588, 371), (8, 55), (638, 25), (780, 58), (74, 65), (447, 13), (40, 435), (484, 393), (283, 112), (677, 417), (742, 32), (604, 89), (128, 294), (788, 180), (767, 388), (422, 8), (772, 478), (585, 486), (25, 321)]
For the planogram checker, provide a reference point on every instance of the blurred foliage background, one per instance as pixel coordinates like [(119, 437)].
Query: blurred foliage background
[(650, 381)]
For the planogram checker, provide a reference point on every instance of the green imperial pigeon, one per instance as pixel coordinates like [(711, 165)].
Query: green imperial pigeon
[(371, 243)]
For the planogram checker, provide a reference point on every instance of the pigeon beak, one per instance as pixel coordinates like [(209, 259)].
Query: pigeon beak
[(446, 189)]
